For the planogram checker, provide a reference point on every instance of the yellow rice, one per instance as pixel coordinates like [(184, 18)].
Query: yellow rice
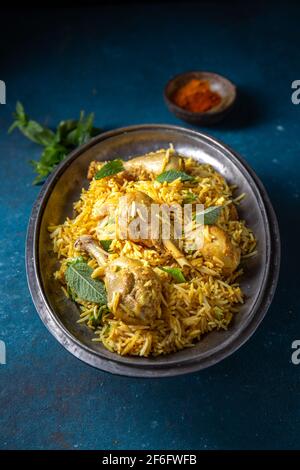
[(205, 303)]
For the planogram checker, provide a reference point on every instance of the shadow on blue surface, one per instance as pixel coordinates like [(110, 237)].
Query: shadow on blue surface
[(249, 110)]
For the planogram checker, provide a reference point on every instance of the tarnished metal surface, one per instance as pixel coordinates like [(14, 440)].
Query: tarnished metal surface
[(55, 202)]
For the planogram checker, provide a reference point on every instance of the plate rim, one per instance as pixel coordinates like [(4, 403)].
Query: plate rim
[(81, 351)]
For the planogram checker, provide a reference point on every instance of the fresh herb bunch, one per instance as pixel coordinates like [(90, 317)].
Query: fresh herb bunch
[(57, 144)]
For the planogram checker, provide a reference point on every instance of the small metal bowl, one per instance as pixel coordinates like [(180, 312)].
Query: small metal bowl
[(55, 202), (220, 84)]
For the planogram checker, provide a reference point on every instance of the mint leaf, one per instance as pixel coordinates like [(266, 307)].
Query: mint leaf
[(109, 169), (106, 244), (189, 198), (176, 273), (210, 215), (31, 129), (172, 175), (50, 157), (72, 133), (79, 281)]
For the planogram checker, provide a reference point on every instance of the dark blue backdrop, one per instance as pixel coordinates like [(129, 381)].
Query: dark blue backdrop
[(115, 62)]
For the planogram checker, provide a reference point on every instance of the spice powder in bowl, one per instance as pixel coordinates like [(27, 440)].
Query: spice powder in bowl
[(196, 96)]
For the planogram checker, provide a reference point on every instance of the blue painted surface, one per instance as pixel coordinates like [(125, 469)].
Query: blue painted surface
[(115, 62)]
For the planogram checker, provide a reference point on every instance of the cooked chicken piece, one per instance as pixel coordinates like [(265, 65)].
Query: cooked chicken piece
[(218, 245), (153, 163), (133, 207), (92, 170), (135, 202), (138, 204), (87, 244), (133, 290)]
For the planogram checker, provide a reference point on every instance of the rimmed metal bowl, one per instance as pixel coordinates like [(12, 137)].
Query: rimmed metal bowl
[(224, 87), (55, 202)]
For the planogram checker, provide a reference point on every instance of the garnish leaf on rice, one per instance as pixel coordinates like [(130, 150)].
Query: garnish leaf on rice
[(176, 273), (189, 198), (78, 277), (172, 175), (106, 244), (210, 215), (109, 169)]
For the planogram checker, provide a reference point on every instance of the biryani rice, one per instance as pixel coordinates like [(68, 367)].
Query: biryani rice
[(207, 302)]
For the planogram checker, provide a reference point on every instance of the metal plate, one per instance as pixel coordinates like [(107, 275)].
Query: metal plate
[(55, 202)]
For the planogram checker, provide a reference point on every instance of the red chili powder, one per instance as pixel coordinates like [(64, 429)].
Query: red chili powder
[(196, 96)]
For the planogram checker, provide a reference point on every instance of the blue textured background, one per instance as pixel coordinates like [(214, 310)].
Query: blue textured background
[(115, 62)]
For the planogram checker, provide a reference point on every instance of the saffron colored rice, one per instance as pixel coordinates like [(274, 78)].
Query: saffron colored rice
[(206, 302)]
